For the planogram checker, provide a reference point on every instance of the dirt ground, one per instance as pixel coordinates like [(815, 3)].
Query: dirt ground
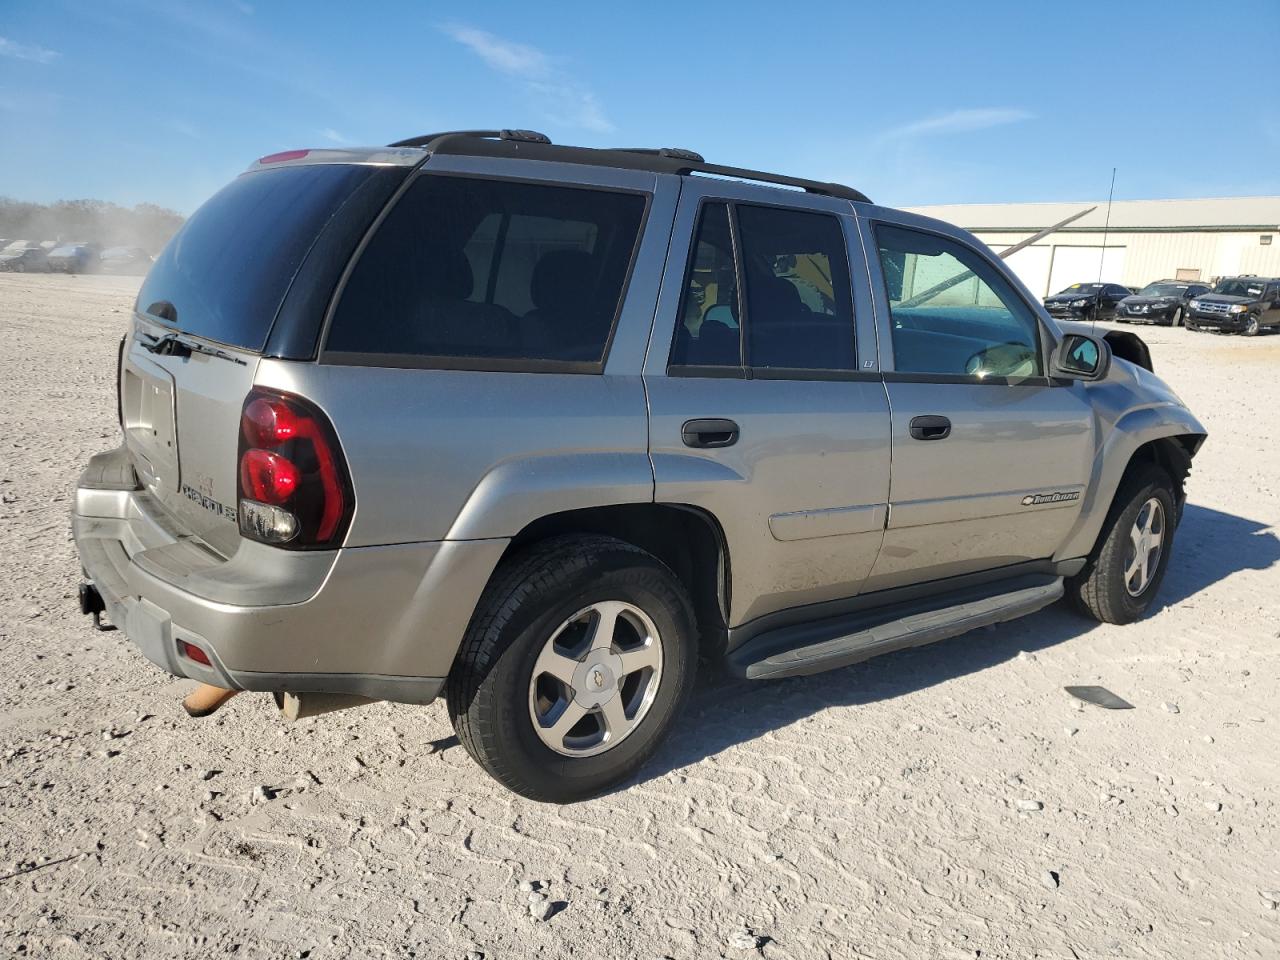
[(950, 801)]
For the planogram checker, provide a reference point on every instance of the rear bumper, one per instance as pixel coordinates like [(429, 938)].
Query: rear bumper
[(381, 622)]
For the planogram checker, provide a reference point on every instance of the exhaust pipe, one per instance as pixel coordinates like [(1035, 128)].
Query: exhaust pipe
[(299, 706), (205, 699)]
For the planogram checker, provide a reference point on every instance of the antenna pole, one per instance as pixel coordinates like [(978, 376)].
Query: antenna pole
[(1106, 227)]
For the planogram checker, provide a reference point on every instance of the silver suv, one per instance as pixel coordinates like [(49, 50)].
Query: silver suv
[(540, 427)]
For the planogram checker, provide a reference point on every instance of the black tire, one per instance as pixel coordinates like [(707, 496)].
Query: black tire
[(529, 596), (1176, 319), (1252, 326), (1099, 590)]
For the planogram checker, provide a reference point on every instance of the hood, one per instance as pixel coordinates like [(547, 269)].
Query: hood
[(1138, 301), (1068, 297), (1223, 298)]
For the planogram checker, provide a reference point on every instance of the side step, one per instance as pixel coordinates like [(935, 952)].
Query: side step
[(828, 644)]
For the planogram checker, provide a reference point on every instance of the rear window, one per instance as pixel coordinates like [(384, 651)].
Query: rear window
[(225, 273), (495, 274)]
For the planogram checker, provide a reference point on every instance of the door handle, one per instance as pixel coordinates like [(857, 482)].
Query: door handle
[(930, 428), (709, 433)]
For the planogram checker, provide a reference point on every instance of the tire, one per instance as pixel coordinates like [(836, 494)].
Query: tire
[(1251, 327), (1176, 320), (531, 603), (1102, 590)]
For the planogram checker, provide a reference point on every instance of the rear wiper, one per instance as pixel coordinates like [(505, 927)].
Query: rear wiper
[(172, 345)]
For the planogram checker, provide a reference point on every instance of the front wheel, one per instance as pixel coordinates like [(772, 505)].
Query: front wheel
[(577, 662), (1122, 577), (1176, 321), (1251, 327)]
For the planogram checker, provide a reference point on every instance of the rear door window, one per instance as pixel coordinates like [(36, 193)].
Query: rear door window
[(796, 302), (799, 302), (501, 274), (224, 275)]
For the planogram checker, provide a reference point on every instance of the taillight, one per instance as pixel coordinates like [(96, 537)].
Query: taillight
[(293, 488)]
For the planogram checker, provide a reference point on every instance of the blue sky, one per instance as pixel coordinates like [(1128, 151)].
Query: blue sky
[(914, 102)]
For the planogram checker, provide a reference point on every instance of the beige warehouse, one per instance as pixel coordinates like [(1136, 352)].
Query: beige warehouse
[(1146, 239)]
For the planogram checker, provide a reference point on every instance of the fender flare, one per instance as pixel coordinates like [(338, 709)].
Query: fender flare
[(1133, 431)]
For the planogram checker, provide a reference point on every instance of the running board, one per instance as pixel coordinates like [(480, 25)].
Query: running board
[(830, 644)]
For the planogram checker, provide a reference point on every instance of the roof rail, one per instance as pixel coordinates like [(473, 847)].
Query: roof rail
[(678, 152), (428, 139), (531, 145)]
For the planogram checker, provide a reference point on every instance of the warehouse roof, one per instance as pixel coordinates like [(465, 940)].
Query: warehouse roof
[(1216, 213)]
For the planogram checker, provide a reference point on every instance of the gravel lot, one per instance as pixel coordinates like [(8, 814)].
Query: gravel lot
[(950, 801)]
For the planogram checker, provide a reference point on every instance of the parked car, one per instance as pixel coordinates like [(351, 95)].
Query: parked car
[(23, 256), (1162, 302), (532, 427), (128, 260), (1086, 301), (73, 258), (1237, 305)]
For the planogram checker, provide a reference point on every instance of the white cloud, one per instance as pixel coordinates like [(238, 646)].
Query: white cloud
[(333, 136), (24, 51), (560, 97), (956, 121)]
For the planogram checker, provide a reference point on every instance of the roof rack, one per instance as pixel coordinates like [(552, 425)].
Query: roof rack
[(531, 145)]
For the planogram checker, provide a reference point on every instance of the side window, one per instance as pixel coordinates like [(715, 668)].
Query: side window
[(951, 311), (709, 334), (799, 310), (469, 269)]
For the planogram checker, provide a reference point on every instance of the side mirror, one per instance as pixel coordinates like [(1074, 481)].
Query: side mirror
[(1082, 358)]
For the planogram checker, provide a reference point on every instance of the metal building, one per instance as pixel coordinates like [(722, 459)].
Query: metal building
[(1146, 239)]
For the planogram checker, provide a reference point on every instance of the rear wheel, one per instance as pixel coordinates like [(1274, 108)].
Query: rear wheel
[(1123, 575), (577, 662)]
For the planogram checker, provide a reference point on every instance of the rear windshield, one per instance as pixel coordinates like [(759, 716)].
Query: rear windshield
[(491, 274), (225, 273)]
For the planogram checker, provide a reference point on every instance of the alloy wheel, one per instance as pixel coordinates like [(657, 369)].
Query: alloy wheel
[(1146, 541), (595, 679)]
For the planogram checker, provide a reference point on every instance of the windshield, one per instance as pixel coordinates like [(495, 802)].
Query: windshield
[(1081, 289), (1163, 290), (16, 247), (224, 275), (64, 251), (1239, 288)]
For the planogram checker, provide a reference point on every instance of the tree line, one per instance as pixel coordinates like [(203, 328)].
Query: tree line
[(145, 225)]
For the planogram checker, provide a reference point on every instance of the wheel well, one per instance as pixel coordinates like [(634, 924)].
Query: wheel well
[(1173, 455), (688, 540)]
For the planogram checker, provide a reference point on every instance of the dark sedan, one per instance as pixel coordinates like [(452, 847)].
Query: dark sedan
[(1163, 302), (1086, 301), (73, 258), (23, 256)]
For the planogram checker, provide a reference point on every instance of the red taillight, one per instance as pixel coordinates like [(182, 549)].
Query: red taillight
[(193, 652), (294, 490), (268, 422), (283, 155), (268, 477)]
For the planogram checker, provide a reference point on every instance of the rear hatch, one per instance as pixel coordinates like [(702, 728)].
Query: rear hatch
[(203, 319)]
